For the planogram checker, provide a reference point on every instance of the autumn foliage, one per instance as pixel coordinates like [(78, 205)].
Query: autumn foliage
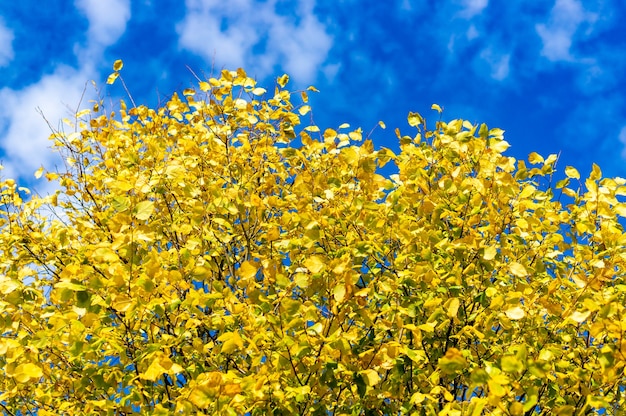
[(221, 255)]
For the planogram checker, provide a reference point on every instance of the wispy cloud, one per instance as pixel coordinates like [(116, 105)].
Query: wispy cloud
[(254, 35), (6, 44), (24, 130), (497, 63), (57, 95), (471, 8), (558, 34), (107, 20)]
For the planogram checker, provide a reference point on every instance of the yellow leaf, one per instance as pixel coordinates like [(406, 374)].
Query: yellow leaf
[(428, 327), (496, 389), (231, 342), (535, 158), (490, 253), (314, 264), (283, 80), (118, 65), (273, 234), (154, 371), (479, 404), (143, 210), (304, 110), (453, 362), (111, 79), (415, 119), (499, 146), (516, 409), (247, 270), (565, 410), (436, 107), (517, 269), (580, 317), (371, 377), (105, 254), (26, 372), (596, 173), (339, 293), (259, 91), (382, 125), (39, 173), (515, 313), (121, 303), (571, 172), (231, 389), (620, 209), (510, 364), (329, 135), (453, 307)]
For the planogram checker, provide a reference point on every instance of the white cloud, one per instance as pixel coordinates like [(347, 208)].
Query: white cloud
[(252, 35), (557, 35), (107, 20), (498, 63), (472, 33), (472, 8), (6, 44), (24, 132)]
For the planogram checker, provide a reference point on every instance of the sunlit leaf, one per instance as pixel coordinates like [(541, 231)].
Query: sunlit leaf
[(518, 269), (283, 80), (314, 264), (143, 210), (571, 172), (111, 78), (579, 316), (218, 255), (515, 313)]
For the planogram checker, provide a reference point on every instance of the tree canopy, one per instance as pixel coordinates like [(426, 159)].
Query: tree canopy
[(221, 254)]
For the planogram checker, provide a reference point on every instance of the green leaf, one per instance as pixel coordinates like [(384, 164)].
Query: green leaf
[(510, 364), (452, 362), (361, 385)]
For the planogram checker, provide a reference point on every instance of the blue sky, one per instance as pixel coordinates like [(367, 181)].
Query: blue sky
[(551, 73)]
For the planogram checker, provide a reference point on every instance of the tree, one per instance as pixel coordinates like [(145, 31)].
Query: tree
[(213, 256)]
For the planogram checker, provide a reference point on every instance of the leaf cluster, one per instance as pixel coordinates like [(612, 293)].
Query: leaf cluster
[(217, 256)]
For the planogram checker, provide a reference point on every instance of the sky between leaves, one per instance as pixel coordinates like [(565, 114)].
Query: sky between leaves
[(552, 74)]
